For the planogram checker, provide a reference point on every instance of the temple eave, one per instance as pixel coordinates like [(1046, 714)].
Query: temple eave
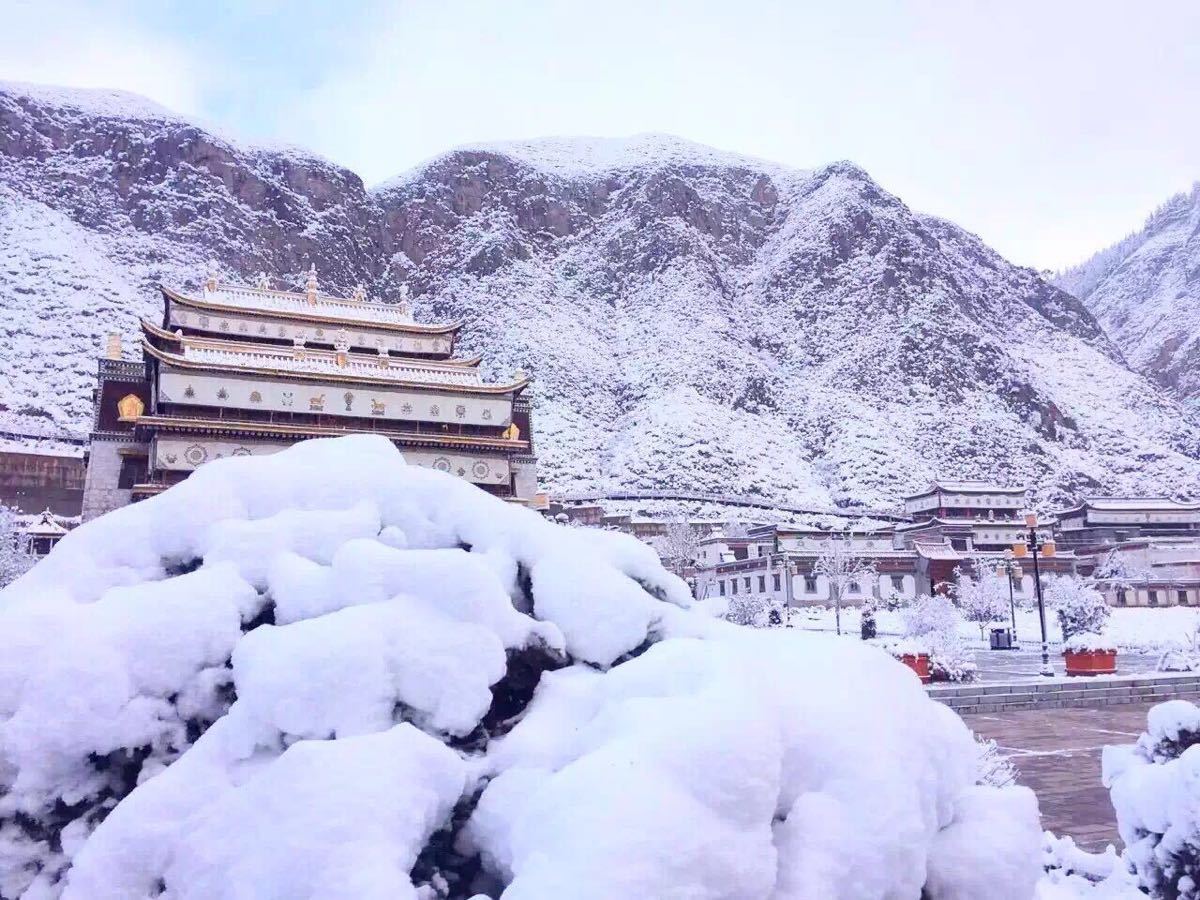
[(308, 315), (182, 362), (149, 329), (294, 432)]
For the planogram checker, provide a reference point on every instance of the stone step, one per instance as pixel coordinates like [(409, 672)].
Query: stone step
[(1057, 685), (1004, 702), (1066, 691)]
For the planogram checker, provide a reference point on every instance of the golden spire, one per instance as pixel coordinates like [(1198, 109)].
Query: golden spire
[(310, 285)]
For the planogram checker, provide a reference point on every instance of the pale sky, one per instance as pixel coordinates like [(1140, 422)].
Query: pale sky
[(1049, 127)]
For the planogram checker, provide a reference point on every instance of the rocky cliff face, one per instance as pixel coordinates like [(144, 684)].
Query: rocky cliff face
[(1146, 292), (693, 318)]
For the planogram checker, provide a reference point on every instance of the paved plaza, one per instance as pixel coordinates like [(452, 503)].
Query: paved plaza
[(1057, 754), (1025, 664)]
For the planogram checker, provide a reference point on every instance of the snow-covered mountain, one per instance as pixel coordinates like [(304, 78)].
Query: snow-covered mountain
[(1145, 290), (693, 318)]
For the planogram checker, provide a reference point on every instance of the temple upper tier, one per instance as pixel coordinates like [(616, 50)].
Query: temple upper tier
[(310, 317)]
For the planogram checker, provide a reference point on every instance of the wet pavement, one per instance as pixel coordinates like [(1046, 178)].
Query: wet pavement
[(1057, 754)]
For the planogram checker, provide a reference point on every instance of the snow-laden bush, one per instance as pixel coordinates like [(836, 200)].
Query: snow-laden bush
[(982, 600), (994, 767), (326, 674), (1081, 609), (933, 621), (15, 558), (1155, 789)]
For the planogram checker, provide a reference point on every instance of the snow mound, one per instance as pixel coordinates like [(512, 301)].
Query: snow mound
[(325, 673)]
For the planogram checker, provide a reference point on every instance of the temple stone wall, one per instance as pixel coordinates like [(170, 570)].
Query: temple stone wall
[(32, 482), (525, 482), (100, 491)]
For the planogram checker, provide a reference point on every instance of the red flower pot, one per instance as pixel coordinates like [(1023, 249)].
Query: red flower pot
[(919, 663), (1090, 662)]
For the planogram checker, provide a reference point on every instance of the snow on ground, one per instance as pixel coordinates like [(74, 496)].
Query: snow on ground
[(327, 674)]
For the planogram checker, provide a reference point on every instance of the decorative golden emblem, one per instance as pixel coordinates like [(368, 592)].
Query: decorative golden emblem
[(130, 407), (512, 432), (317, 403), (377, 408)]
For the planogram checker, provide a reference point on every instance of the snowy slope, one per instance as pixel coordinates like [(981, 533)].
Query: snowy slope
[(693, 318), (1145, 290)]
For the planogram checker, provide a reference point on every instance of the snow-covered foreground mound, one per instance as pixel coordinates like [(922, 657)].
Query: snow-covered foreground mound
[(327, 674)]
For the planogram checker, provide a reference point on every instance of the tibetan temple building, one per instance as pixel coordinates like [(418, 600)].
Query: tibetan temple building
[(236, 370)]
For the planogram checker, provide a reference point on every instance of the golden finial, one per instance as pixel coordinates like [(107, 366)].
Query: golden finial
[(310, 284)]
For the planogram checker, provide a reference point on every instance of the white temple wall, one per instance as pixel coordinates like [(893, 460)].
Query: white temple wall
[(331, 398), (186, 454)]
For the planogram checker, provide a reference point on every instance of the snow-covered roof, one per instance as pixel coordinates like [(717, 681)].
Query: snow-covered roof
[(967, 486), (45, 525), (271, 360), (262, 300), (1134, 504), (937, 551), (973, 523)]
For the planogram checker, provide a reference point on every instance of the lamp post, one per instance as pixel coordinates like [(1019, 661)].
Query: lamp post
[(1009, 566), (787, 579), (1031, 544)]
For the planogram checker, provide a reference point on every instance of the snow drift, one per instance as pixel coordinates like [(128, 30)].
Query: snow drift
[(328, 674)]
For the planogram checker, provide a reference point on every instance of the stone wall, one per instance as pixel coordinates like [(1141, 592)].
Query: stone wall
[(101, 493), (32, 482)]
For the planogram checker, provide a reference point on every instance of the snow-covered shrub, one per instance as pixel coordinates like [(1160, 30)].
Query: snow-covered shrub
[(1155, 790), (1081, 609), (15, 558), (1075, 874), (982, 600), (950, 659), (324, 673), (928, 614), (751, 610), (1184, 657), (933, 621), (994, 767)]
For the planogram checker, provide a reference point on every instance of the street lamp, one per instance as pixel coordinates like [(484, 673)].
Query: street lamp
[(1009, 567), (1031, 544)]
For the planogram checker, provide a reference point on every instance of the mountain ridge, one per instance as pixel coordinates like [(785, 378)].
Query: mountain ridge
[(1145, 289), (693, 318)]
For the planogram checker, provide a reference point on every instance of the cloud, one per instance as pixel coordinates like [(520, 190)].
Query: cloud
[(91, 45)]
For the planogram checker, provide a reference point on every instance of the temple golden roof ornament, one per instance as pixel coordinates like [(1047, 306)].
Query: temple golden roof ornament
[(310, 285), (210, 283), (341, 343), (130, 407), (360, 294), (262, 282), (405, 306)]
